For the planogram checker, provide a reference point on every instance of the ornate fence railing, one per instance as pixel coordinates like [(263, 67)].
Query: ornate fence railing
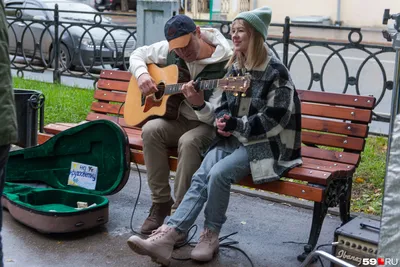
[(71, 43), (337, 65), (79, 44)]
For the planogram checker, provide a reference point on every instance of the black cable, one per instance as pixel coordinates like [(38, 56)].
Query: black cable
[(227, 244), (136, 202), (293, 242), (140, 183), (119, 114)]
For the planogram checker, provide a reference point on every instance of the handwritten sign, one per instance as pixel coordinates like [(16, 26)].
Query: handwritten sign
[(83, 175)]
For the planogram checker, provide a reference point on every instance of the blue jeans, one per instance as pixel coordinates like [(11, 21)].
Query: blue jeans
[(223, 165), (3, 161)]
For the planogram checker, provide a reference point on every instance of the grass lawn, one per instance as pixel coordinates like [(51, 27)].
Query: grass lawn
[(72, 104)]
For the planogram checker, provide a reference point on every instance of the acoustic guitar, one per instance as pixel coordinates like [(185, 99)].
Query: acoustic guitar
[(166, 102)]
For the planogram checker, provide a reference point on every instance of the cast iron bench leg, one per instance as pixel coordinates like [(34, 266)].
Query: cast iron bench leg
[(320, 210), (344, 201)]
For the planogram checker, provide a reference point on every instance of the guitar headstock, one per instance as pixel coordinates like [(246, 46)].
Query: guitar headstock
[(238, 84)]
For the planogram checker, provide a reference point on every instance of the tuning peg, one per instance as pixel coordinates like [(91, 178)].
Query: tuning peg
[(235, 94), (243, 94)]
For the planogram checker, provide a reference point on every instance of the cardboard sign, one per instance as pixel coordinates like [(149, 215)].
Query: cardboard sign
[(83, 175)]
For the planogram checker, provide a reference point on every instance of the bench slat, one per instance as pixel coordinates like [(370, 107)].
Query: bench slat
[(287, 188), (98, 116), (116, 75), (281, 187), (107, 108), (335, 156), (353, 143), (311, 175), (367, 102), (298, 173), (338, 127), (324, 165), (345, 113), (104, 95), (113, 85)]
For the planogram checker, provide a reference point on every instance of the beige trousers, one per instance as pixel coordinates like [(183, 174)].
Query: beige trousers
[(192, 138)]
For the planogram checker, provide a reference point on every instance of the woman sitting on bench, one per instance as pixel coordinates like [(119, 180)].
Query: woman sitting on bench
[(259, 134)]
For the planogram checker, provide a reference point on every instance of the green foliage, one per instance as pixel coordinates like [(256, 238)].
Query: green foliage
[(62, 103)]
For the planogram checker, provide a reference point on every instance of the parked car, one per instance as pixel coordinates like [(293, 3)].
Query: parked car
[(113, 5), (80, 44)]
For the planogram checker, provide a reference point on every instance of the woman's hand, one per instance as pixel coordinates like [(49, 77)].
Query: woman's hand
[(221, 124)]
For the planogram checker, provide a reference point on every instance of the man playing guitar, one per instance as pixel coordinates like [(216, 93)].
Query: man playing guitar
[(199, 53)]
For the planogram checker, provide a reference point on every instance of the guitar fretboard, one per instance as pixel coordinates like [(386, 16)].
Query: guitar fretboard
[(172, 89)]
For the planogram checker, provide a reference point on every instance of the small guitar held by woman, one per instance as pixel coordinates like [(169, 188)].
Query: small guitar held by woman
[(166, 101)]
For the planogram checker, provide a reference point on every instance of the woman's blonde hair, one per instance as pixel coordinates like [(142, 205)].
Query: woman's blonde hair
[(256, 52)]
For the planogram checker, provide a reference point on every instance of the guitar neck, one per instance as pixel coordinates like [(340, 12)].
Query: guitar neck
[(172, 89)]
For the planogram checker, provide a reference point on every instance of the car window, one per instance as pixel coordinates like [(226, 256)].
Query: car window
[(12, 8), (29, 14), (73, 6)]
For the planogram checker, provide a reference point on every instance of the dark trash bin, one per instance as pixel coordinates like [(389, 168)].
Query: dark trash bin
[(28, 104)]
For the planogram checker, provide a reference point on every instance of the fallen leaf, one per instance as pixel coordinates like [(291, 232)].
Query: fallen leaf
[(371, 209), (243, 222), (359, 180)]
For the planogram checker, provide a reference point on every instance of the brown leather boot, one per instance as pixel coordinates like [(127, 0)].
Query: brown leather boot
[(157, 214)]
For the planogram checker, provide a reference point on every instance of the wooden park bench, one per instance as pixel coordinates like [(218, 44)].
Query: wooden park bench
[(329, 121)]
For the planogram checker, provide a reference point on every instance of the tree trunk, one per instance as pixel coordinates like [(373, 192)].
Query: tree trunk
[(124, 6)]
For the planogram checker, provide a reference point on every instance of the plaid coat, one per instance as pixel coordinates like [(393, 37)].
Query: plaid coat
[(268, 120)]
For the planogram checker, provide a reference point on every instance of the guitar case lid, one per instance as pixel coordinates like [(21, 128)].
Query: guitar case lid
[(100, 146), (100, 143)]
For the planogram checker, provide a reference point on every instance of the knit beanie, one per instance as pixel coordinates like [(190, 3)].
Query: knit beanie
[(259, 18)]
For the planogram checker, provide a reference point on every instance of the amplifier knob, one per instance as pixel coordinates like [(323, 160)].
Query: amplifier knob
[(347, 243), (353, 245), (365, 248), (359, 247), (370, 250), (376, 252), (341, 241)]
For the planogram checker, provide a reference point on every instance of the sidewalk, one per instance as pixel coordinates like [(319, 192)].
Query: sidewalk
[(268, 233), (369, 35)]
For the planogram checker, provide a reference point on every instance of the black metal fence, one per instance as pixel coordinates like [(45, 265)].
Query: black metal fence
[(79, 44), (340, 65), (71, 43)]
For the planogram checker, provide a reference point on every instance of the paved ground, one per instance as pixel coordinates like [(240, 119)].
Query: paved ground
[(266, 229)]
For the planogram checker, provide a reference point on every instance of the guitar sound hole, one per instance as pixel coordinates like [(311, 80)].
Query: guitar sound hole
[(160, 93)]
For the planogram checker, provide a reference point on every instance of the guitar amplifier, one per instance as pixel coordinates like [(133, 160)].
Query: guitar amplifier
[(358, 240)]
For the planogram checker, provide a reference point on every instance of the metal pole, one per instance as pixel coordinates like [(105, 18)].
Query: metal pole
[(396, 77), (338, 13), (211, 9), (254, 4), (56, 48), (286, 38), (395, 93)]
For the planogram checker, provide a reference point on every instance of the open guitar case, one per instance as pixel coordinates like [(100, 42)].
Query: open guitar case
[(53, 207)]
